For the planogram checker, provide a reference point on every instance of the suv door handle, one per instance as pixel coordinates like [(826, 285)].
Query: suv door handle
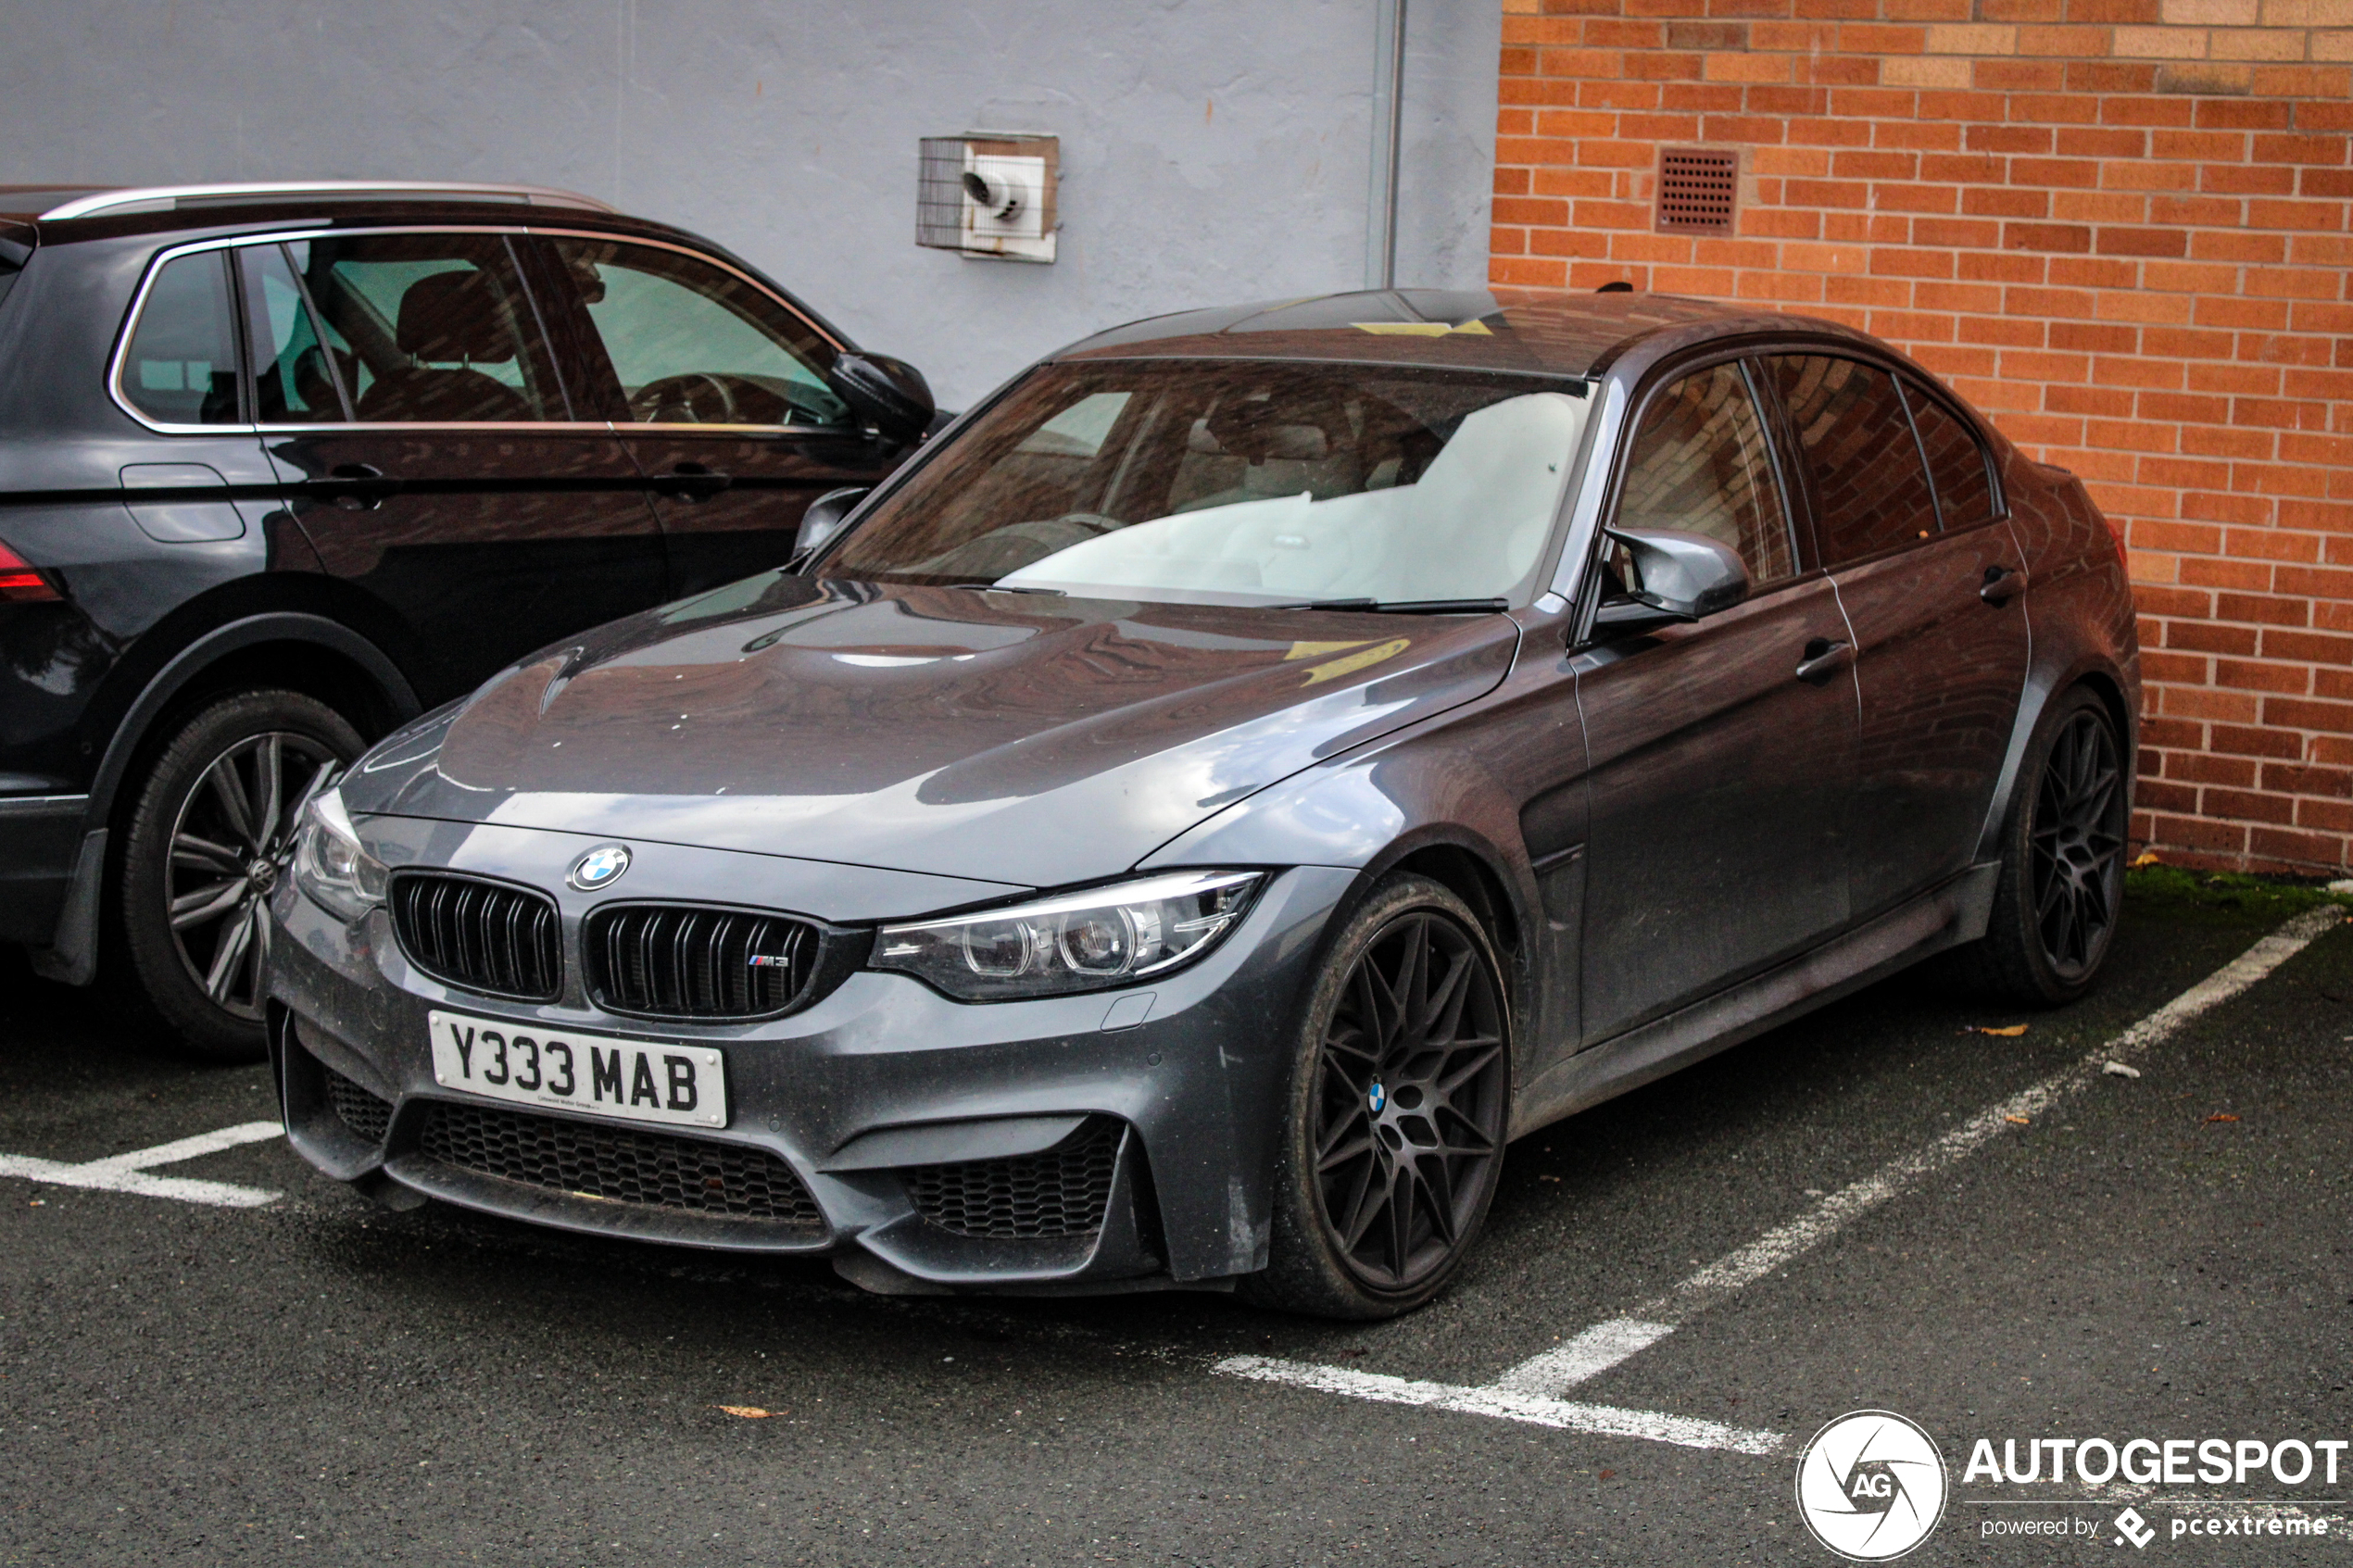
[(364, 491), (2002, 584), (1824, 658), (692, 481)]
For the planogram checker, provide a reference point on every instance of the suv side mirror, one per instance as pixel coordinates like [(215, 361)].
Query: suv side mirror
[(1677, 577), (823, 521), (888, 394)]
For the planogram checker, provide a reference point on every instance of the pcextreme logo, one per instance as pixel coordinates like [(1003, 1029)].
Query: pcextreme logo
[(1870, 1485)]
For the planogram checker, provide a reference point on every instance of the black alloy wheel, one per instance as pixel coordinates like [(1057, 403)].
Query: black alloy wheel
[(211, 836), (2077, 845), (1400, 1112), (2061, 894)]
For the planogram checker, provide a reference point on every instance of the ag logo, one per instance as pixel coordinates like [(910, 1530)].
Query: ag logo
[(1870, 1485), (599, 866)]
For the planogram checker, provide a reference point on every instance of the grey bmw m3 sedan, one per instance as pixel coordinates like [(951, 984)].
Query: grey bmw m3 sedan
[(1179, 829)]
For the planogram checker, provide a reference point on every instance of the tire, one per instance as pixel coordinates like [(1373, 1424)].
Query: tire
[(1392, 1138), (2061, 891), (210, 831)]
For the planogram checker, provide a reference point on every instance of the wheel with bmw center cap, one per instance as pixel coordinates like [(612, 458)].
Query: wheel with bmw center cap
[(1400, 1101), (209, 834)]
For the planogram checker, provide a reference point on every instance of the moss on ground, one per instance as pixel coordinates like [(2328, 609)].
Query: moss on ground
[(2231, 897)]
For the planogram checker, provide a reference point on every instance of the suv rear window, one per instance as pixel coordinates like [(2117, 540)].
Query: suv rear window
[(182, 366)]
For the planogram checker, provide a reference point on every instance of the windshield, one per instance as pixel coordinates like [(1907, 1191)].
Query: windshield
[(1239, 482)]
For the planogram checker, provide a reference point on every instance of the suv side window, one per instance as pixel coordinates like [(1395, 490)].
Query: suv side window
[(1956, 462), (1700, 464), (293, 376), (437, 327), (691, 344), (1868, 483), (181, 365)]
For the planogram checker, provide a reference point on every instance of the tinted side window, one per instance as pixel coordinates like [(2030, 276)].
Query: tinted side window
[(182, 368), (694, 345), (1867, 478), (438, 328), (1700, 464), (293, 381), (1955, 461)]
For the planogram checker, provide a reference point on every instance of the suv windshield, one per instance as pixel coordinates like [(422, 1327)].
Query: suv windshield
[(1239, 482)]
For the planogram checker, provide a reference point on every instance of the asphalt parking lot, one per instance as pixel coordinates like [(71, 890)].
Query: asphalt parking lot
[(1872, 1208)]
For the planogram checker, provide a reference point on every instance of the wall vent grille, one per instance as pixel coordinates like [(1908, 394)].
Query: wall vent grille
[(1698, 190)]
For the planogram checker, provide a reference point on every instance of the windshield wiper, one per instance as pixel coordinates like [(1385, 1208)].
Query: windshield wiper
[(1401, 607)]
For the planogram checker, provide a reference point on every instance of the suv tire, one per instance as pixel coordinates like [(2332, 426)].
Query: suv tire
[(211, 831)]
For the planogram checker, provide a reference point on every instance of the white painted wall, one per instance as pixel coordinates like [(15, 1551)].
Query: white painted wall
[(1214, 151)]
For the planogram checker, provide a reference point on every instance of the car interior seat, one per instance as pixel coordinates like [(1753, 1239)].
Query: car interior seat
[(449, 323)]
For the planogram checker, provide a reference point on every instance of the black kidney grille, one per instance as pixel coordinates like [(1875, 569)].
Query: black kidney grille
[(367, 1116), (483, 935), (668, 960), (1063, 1191), (657, 1170)]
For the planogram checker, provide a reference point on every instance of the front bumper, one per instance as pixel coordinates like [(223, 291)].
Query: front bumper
[(939, 1144)]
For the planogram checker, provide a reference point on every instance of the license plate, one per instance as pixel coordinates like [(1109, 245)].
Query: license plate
[(631, 1079)]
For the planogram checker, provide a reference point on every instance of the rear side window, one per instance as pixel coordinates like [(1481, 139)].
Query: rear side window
[(1955, 461), (1700, 465), (294, 377), (181, 364), (431, 329), (1868, 483)]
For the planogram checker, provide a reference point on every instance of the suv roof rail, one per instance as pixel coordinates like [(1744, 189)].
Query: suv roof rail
[(164, 198)]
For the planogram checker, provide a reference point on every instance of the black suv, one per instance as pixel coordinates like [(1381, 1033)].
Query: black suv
[(282, 464)]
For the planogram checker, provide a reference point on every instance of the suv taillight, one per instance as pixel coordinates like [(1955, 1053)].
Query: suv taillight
[(19, 583)]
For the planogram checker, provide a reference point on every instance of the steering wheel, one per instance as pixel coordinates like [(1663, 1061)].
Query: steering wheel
[(695, 398)]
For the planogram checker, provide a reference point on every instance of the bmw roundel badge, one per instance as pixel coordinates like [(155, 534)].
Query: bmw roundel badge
[(600, 867)]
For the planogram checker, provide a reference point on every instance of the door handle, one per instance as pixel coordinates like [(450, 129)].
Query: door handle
[(1824, 658), (692, 481), (2002, 584), (364, 490)]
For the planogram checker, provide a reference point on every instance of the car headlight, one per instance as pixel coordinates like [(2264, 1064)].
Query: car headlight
[(1086, 941), (329, 866)]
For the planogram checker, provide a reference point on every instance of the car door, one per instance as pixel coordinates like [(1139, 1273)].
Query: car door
[(431, 451), (1929, 578), (719, 389), (1720, 753)]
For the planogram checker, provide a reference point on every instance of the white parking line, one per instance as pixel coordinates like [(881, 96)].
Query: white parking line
[(1532, 1390), (128, 1172)]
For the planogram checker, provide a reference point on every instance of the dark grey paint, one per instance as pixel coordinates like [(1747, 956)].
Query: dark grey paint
[(1664, 832)]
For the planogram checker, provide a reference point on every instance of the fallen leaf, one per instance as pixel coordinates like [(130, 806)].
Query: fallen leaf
[(1607, 1473), (2008, 1032), (749, 1412), (2221, 1116), (2019, 1121), (2149, 857), (2117, 1070)]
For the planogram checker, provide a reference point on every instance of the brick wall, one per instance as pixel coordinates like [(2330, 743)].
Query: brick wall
[(2117, 226)]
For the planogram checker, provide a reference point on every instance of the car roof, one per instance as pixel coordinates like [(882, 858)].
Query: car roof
[(1578, 335)]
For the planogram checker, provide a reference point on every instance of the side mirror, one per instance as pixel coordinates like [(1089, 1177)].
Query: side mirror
[(888, 394), (823, 521), (1676, 577)]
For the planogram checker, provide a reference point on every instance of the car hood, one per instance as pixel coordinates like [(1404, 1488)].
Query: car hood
[(1012, 737)]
